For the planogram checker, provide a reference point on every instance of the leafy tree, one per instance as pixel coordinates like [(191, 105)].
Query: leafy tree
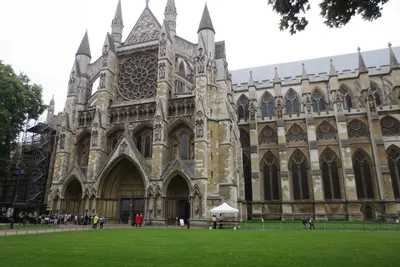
[(20, 101), (336, 13)]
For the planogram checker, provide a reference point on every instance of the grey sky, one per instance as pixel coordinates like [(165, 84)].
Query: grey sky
[(41, 37)]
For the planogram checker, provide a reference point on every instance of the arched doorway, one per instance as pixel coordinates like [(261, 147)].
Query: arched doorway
[(122, 193), (368, 212), (177, 203), (73, 198)]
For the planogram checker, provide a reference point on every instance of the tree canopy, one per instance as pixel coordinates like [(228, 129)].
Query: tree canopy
[(20, 101), (336, 13)]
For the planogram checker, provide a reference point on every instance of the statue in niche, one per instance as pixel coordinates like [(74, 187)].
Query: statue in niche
[(200, 128), (105, 51), (200, 59), (62, 140), (371, 103), (338, 101), (72, 78), (102, 80), (279, 109), (252, 111), (157, 134)]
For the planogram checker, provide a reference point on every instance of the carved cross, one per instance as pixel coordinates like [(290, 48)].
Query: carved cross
[(147, 3)]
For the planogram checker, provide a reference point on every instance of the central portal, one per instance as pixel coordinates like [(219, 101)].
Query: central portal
[(177, 203), (123, 194)]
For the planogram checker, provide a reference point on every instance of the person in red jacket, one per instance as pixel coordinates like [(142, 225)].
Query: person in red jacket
[(141, 219), (137, 220)]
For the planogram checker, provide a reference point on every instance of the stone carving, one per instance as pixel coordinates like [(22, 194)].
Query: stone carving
[(161, 70), (62, 140), (200, 128), (200, 60), (104, 60), (163, 45), (95, 135), (71, 82), (95, 125), (252, 111), (308, 105), (325, 132), (122, 147), (138, 76), (93, 194), (103, 80), (145, 30), (157, 133), (105, 51), (279, 108)]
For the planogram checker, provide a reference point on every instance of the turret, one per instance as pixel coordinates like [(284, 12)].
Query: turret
[(83, 54), (117, 24), (206, 33), (50, 112), (170, 16)]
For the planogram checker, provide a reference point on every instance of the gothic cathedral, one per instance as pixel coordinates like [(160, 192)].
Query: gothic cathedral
[(170, 132)]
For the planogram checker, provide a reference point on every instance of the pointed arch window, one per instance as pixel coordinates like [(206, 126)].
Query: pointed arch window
[(325, 131), (390, 127), (267, 105), (296, 134), (394, 167), (292, 103), (243, 108), (184, 147), (147, 146), (330, 175), (318, 101), (346, 98), (248, 191), (299, 176), (363, 176), (271, 178), (357, 129), (244, 138), (268, 136), (144, 142)]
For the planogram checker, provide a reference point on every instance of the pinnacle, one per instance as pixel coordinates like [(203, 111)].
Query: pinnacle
[(206, 22), (361, 64)]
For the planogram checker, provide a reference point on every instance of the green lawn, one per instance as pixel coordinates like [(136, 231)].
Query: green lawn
[(171, 247), (322, 225)]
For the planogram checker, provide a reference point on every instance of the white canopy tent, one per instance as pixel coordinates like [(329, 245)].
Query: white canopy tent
[(224, 208)]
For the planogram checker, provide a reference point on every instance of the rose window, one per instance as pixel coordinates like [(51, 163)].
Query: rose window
[(138, 77)]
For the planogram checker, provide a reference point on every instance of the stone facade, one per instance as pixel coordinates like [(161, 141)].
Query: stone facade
[(171, 133)]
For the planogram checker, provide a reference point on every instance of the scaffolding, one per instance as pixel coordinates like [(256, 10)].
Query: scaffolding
[(37, 148)]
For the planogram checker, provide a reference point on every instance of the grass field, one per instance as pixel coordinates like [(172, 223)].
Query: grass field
[(170, 247)]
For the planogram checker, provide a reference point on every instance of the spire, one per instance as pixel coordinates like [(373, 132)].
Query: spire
[(277, 79), (170, 16), (332, 71), (394, 64), (361, 64), (251, 80), (304, 75), (52, 102), (147, 3), (118, 15), (206, 22), (84, 48)]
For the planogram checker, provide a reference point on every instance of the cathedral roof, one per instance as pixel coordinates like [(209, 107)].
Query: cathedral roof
[(206, 22), (376, 61)]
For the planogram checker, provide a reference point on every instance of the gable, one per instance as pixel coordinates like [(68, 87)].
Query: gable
[(146, 29)]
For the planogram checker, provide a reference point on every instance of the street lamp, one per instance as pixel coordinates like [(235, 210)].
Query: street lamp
[(18, 171)]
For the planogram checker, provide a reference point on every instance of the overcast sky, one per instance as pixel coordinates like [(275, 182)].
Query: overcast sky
[(41, 37)]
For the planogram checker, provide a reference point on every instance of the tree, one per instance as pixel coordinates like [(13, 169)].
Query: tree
[(336, 13), (20, 101)]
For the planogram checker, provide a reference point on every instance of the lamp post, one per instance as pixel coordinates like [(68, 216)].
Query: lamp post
[(18, 171)]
